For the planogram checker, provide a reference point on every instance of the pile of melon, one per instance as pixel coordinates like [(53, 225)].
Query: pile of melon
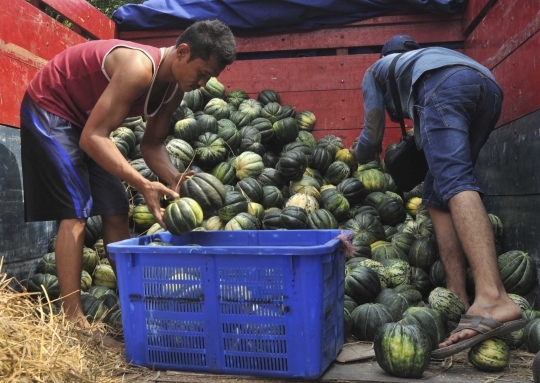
[(258, 167)]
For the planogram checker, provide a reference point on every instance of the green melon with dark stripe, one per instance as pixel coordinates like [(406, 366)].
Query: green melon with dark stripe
[(272, 197), (336, 203), (391, 211), (362, 284), (194, 100), (225, 172), (372, 179), (447, 302), (382, 250), (183, 215), (518, 272), (267, 96), (322, 219), (264, 126), (433, 322), (242, 221), (490, 355), (399, 271), (368, 318), (337, 172), (236, 97), (210, 149), (235, 203), (403, 241), (306, 120), (420, 280), (207, 190), (182, 150), (366, 228), (308, 138), (398, 300), (248, 164), (331, 143), (251, 107), (187, 129), (402, 350), (353, 190), (271, 177), (218, 108), (423, 253)]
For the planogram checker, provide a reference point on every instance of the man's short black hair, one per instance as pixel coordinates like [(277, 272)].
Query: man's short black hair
[(209, 38)]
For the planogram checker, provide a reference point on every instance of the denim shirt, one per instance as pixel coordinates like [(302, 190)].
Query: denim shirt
[(377, 95)]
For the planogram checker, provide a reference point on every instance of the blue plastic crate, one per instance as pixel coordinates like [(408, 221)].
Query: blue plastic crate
[(236, 302)]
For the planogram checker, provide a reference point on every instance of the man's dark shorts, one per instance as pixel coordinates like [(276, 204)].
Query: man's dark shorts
[(60, 180), (458, 108)]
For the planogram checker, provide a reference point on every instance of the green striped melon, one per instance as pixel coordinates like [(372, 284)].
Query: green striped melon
[(402, 350), (447, 302)]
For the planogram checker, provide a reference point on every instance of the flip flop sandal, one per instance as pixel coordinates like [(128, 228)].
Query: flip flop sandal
[(486, 328)]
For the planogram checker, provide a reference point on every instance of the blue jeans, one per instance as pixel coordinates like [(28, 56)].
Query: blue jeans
[(457, 108)]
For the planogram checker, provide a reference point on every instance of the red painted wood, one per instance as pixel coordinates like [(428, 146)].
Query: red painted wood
[(427, 28), (473, 10), (14, 75), (28, 39), (27, 32), (518, 76), (84, 15), (298, 74), (508, 25)]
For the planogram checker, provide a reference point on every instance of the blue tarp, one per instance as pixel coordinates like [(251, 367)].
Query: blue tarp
[(267, 16)]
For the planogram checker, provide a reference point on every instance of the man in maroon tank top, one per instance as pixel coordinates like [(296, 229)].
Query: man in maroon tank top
[(71, 168)]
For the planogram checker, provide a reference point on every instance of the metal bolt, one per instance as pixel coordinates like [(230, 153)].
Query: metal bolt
[(343, 118), (229, 68), (342, 99), (342, 81)]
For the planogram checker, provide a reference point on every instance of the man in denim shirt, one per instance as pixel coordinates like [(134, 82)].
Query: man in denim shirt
[(454, 103)]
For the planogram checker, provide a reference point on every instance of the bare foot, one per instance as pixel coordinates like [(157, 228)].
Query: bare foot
[(504, 310), (96, 335), (106, 340)]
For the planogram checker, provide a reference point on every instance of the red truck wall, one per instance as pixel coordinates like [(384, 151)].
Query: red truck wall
[(28, 39), (504, 36), (330, 85)]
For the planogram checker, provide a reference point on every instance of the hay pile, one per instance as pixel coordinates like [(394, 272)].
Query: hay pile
[(37, 346)]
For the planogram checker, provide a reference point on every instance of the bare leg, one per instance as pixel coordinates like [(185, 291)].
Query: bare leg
[(115, 228), (68, 254), (475, 234), (451, 253)]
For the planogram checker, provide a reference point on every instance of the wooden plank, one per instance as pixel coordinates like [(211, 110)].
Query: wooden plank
[(298, 74), (20, 242), (364, 34), (28, 31), (15, 76), (518, 77), (28, 39), (492, 41), (366, 371), (475, 11), (84, 15), (509, 162)]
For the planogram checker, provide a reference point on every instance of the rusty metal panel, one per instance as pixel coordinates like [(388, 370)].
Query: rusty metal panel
[(373, 32), (518, 77), (85, 16), (505, 28)]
